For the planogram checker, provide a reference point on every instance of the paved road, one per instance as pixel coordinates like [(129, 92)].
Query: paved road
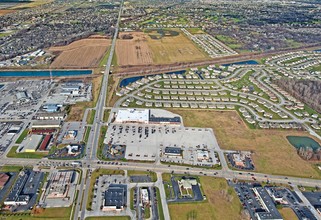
[(93, 139)]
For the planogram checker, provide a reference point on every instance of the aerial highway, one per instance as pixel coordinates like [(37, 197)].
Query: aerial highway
[(93, 139)]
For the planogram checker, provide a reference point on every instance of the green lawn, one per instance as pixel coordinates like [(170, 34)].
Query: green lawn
[(36, 155), (94, 176), (221, 202), (22, 136), (91, 116), (103, 131), (87, 134), (159, 205), (9, 168), (106, 115), (49, 213)]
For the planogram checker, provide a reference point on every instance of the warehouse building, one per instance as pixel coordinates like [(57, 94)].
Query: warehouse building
[(31, 143), (46, 124)]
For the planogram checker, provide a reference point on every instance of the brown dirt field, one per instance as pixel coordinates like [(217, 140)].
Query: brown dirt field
[(6, 11), (273, 154), (173, 49), (85, 53), (133, 51)]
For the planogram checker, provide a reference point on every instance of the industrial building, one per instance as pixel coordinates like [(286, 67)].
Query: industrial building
[(31, 143), (115, 198), (59, 184), (51, 107), (46, 124), (25, 189)]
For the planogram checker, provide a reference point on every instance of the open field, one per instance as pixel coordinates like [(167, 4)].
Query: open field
[(50, 213), (85, 53), (288, 214), (133, 51), (222, 203), (174, 49), (273, 154), (6, 11)]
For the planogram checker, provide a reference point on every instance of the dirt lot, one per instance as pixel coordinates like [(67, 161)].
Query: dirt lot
[(221, 203), (273, 153), (6, 11), (132, 49), (152, 48), (85, 53), (172, 49)]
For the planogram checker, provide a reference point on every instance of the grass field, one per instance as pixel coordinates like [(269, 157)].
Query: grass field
[(49, 213), (288, 214), (172, 49), (87, 134), (22, 136), (273, 154), (195, 30), (102, 134), (95, 174), (137, 173), (85, 53), (91, 116), (222, 203), (8, 168), (36, 155)]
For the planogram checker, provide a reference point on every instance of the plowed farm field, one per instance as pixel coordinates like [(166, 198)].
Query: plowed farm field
[(139, 48), (132, 49), (85, 53)]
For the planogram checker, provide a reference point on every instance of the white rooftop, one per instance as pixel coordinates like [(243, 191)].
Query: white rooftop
[(132, 115)]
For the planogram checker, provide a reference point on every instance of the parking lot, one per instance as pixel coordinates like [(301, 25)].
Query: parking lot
[(77, 127), (101, 185), (143, 142)]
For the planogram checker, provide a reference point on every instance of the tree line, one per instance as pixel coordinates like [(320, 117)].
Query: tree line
[(307, 91)]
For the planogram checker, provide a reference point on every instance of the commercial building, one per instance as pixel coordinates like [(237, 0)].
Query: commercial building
[(115, 198), (59, 184), (173, 151), (132, 116), (144, 196), (187, 183), (31, 143), (202, 155)]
